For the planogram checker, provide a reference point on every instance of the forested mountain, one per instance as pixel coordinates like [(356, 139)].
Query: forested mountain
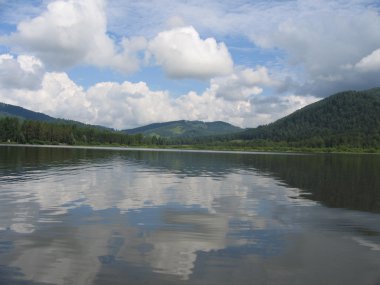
[(350, 118), (185, 129), (15, 130), (7, 110), (24, 126)]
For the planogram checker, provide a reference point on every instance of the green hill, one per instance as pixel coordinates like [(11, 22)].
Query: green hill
[(7, 110), (185, 129), (350, 118), (19, 125)]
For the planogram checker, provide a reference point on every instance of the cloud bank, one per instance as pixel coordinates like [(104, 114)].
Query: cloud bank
[(22, 72), (126, 105), (73, 32), (183, 54), (315, 38), (298, 51), (370, 63)]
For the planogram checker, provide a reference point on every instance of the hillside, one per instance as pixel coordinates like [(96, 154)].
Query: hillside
[(24, 126), (186, 129), (350, 118), (7, 110)]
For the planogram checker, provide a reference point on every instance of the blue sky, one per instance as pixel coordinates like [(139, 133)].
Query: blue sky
[(124, 64)]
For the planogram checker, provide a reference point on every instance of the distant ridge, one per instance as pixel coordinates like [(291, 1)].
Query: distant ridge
[(349, 118), (8, 110), (186, 129)]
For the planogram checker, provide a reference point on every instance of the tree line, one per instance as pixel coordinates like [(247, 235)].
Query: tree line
[(349, 119), (15, 130)]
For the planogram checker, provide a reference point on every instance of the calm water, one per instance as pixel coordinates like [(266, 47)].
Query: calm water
[(86, 216)]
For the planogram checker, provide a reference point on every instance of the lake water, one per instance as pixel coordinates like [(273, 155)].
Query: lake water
[(95, 216)]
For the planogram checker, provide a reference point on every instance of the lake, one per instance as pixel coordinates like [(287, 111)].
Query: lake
[(111, 216)]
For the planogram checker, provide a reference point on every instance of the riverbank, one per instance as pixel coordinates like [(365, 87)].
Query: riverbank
[(207, 148)]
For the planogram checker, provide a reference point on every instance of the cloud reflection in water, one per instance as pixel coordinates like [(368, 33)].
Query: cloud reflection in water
[(74, 220)]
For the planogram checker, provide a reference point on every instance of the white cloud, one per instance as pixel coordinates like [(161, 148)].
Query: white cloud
[(259, 110), (275, 107), (315, 38), (209, 107), (75, 32), (319, 37), (370, 62), (183, 54), (20, 72), (58, 96), (128, 104), (243, 84)]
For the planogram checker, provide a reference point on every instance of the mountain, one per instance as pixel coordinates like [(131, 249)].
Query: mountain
[(7, 110), (350, 118), (19, 125), (186, 129)]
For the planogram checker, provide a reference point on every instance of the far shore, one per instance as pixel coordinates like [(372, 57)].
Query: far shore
[(205, 149)]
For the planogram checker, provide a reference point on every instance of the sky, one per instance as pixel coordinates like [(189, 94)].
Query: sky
[(124, 64)]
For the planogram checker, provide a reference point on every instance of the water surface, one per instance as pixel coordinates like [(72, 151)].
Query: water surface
[(92, 216)]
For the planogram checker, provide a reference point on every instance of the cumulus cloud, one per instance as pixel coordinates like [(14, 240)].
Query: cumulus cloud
[(370, 62), (183, 54), (74, 32), (316, 38), (320, 37), (22, 71), (108, 103), (271, 108), (57, 96), (243, 83), (127, 104), (257, 110)]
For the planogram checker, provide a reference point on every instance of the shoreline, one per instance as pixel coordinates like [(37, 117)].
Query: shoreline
[(192, 148), (133, 148)]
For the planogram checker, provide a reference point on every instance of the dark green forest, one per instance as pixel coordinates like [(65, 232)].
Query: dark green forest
[(350, 119), (15, 130), (345, 121), (7, 110)]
